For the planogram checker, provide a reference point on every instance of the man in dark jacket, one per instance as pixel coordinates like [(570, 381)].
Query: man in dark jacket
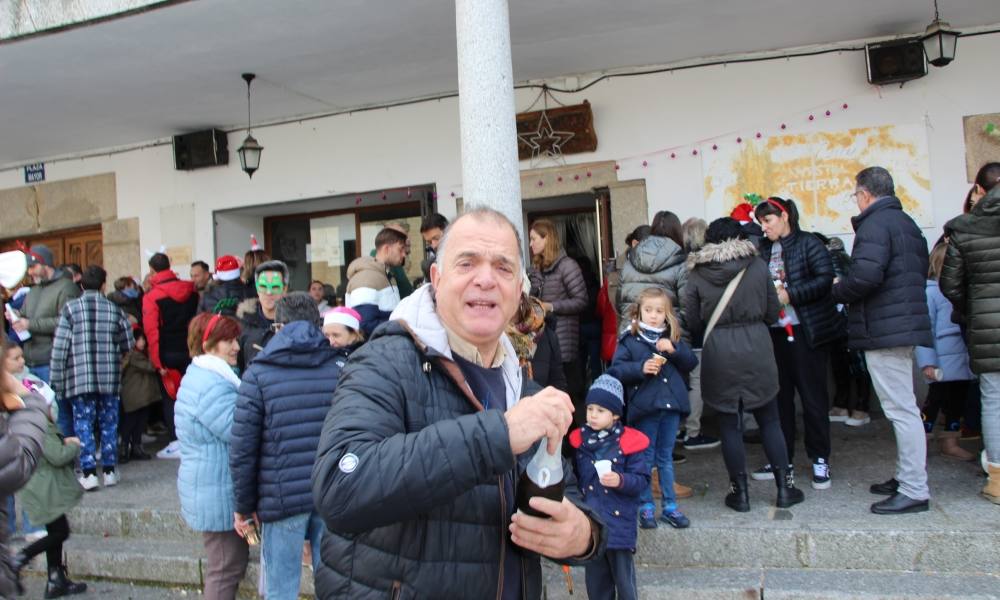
[(40, 316), (226, 294), (888, 317), (969, 279), (284, 396), (430, 429), (257, 314), (167, 310)]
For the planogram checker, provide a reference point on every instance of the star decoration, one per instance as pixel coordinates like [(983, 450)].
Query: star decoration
[(546, 143)]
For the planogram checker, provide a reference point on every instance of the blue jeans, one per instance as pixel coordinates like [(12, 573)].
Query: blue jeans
[(613, 572), (26, 525), (65, 417), (661, 429), (282, 549), (105, 407), (989, 385)]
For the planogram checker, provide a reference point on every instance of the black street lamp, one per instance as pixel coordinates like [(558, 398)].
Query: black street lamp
[(250, 150), (939, 41)]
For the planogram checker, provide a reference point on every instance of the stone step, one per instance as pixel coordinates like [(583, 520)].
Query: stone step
[(140, 523), (789, 584), (152, 562)]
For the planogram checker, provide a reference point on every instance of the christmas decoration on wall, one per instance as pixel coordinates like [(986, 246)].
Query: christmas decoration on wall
[(550, 134)]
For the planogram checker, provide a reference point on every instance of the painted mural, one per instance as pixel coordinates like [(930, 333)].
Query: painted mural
[(817, 171)]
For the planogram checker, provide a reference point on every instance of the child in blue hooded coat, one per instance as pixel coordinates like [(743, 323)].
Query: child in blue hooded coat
[(606, 446), (651, 361)]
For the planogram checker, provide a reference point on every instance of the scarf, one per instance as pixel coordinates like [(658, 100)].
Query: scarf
[(213, 363), (601, 441), (649, 334), (525, 329)]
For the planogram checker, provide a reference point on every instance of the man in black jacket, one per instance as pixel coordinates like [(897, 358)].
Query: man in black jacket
[(888, 317), (969, 279), (430, 427)]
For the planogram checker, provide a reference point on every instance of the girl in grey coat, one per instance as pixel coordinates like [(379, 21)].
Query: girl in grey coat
[(738, 371)]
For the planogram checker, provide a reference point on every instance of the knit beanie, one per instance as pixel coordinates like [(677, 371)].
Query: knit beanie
[(607, 392)]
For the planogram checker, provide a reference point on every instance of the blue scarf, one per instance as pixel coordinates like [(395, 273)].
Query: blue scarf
[(601, 441)]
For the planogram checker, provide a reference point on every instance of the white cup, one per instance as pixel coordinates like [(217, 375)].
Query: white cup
[(603, 467)]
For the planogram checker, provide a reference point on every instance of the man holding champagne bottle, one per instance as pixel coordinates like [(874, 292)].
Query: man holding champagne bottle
[(429, 435)]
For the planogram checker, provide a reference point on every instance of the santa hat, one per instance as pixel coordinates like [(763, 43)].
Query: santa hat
[(254, 246), (348, 317), (743, 213), (227, 268)]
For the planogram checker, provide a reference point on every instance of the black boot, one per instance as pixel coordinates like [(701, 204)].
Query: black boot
[(139, 453), (124, 453), (738, 498), (788, 494), (59, 584)]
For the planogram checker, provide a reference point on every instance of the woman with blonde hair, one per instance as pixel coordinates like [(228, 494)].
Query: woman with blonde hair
[(557, 281)]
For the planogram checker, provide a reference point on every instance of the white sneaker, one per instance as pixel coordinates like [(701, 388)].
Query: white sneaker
[(111, 478), (173, 450), (838, 415), (821, 475), (33, 536), (858, 418), (89, 482)]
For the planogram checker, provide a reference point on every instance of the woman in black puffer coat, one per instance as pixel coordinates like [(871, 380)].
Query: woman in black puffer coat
[(802, 271), (557, 281), (738, 372)]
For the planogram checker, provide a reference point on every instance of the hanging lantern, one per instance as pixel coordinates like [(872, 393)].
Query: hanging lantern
[(250, 151), (940, 41)]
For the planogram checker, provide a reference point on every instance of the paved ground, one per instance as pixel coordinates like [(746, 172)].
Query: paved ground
[(721, 538)]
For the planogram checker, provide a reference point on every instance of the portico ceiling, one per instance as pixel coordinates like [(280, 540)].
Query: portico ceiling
[(177, 68)]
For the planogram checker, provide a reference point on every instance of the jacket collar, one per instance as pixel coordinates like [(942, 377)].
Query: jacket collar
[(216, 365), (163, 277), (721, 252), (882, 203), (417, 314)]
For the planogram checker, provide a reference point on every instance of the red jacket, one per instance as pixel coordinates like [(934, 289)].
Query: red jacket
[(166, 312), (609, 323)]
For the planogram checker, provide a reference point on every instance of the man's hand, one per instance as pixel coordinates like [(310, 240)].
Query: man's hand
[(20, 325), (549, 413), (611, 480), (929, 373), (651, 366), (241, 524), (566, 534)]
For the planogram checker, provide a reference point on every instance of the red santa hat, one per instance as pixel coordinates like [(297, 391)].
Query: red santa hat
[(743, 213), (227, 268), (254, 246)]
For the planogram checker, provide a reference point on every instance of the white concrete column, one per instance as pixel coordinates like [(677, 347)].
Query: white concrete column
[(490, 175)]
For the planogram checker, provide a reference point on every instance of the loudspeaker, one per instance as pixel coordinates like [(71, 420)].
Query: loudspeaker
[(199, 149), (895, 61)]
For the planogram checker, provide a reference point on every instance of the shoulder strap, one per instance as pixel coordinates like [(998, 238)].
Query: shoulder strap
[(727, 295)]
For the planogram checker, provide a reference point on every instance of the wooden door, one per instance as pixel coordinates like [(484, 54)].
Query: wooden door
[(84, 246)]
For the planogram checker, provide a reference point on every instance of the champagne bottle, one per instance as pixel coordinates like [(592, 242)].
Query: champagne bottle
[(542, 477)]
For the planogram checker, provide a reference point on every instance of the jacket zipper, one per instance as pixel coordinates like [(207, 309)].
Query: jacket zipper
[(503, 537)]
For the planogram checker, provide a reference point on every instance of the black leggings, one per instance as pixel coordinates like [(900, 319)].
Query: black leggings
[(731, 430), (133, 425), (947, 396), (51, 544)]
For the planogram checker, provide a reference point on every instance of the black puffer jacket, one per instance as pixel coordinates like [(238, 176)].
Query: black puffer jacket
[(223, 297), (409, 473), (886, 288), (562, 286), (971, 279), (737, 360), (283, 399), (808, 279)]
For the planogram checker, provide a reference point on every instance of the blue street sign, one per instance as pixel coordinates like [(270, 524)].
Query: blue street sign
[(34, 173)]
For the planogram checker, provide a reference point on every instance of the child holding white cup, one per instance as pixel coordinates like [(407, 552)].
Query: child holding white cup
[(611, 473)]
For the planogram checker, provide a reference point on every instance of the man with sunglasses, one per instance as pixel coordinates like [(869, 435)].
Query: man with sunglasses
[(257, 314)]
